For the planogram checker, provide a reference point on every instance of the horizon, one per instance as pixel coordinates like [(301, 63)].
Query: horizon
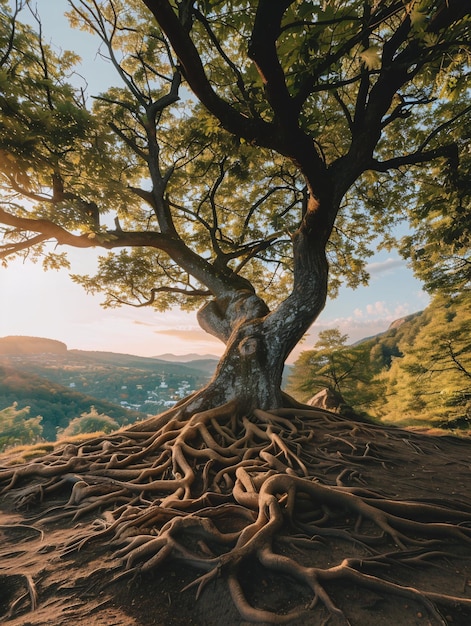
[(49, 304), (171, 356)]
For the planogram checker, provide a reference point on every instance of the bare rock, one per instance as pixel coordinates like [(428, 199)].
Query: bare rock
[(327, 399)]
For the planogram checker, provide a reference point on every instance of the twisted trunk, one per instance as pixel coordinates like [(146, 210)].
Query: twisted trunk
[(259, 341)]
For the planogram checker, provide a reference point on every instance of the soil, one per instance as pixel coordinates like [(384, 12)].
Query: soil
[(43, 584)]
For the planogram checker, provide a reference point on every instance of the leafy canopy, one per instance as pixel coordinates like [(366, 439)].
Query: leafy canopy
[(377, 89), (90, 422), (336, 366), (431, 382)]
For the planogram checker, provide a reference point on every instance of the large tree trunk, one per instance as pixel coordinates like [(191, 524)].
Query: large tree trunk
[(259, 341), (250, 370)]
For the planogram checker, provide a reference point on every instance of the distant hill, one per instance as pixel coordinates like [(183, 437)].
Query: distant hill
[(130, 360), (392, 326), (31, 345), (62, 384), (202, 362), (55, 403), (203, 365)]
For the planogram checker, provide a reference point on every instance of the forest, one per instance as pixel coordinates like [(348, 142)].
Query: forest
[(418, 373), (53, 404), (59, 385)]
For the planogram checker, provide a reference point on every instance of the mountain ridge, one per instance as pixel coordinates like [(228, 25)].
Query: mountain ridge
[(17, 345), (23, 344), (185, 358)]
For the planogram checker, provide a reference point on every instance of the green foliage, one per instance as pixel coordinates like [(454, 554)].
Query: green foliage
[(89, 423), (16, 427), (418, 373), (53, 151), (389, 127), (431, 383), (333, 365), (439, 245)]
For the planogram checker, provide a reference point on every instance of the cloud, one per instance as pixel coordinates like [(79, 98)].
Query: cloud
[(189, 334), (139, 323), (401, 310), (383, 267), (355, 328), (377, 308), (365, 322)]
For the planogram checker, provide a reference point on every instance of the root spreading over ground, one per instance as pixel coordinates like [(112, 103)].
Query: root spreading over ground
[(303, 516)]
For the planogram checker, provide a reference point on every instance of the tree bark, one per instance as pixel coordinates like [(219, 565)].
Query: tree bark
[(259, 341)]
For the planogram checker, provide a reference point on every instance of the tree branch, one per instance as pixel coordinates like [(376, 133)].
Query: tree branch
[(402, 60), (262, 50), (438, 129), (217, 44), (193, 70), (456, 361), (164, 289), (11, 38), (11, 248), (47, 229), (289, 140), (420, 156), (219, 283)]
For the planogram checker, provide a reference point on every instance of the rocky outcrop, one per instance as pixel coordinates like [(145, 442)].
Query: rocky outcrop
[(330, 400), (327, 399)]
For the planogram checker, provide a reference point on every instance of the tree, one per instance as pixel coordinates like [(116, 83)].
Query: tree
[(326, 363), (431, 382), (415, 374), (335, 366), (89, 423), (315, 130), (16, 427), (322, 146)]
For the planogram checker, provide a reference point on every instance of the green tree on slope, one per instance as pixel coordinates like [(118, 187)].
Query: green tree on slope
[(334, 365), (17, 427), (431, 383), (89, 423)]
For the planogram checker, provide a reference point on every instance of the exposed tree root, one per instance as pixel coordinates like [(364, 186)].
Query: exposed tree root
[(217, 490)]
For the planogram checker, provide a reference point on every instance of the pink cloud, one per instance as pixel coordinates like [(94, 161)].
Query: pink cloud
[(188, 334)]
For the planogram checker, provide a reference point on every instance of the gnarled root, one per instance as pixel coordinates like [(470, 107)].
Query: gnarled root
[(284, 492)]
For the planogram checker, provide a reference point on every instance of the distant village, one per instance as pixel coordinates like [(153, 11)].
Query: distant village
[(160, 397), (147, 386), (146, 397)]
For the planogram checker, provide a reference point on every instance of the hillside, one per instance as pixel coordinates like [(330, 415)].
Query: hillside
[(60, 561), (368, 521), (17, 344), (61, 384), (417, 373), (55, 403)]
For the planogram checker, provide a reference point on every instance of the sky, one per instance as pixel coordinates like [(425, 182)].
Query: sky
[(48, 304)]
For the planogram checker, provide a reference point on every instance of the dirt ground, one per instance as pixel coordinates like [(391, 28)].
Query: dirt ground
[(42, 585)]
